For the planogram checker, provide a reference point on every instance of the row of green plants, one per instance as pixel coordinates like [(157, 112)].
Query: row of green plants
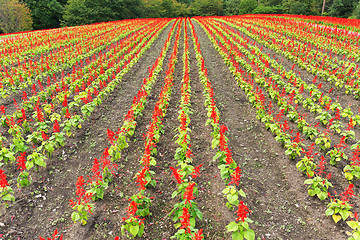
[(229, 170), (139, 206), (94, 189)]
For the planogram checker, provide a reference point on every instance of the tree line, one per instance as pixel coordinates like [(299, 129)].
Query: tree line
[(24, 15)]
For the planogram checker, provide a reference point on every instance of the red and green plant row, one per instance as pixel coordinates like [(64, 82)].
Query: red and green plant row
[(230, 172), (140, 202), (104, 168)]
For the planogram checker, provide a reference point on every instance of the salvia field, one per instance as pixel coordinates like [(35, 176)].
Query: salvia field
[(241, 127)]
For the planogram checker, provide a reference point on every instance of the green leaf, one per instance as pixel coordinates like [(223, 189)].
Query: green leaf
[(336, 218), (237, 236), (322, 195), (329, 212), (349, 176), (308, 181), (356, 235), (8, 197), (134, 230), (242, 193), (174, 194), (29, 165), (40, 162), (75, 217), (311, 192), (192, 222), (352, 224), (177, 225), (344, 215), (233, 226), (249, 234), (152, 162)]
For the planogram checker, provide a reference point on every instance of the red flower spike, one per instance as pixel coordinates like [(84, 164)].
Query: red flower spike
[(242, 211), (111, 135), (44, 136), (235, 176), (56, 126), (188, 194), (196, 171), (198, 235), (65, 102), (21, 161), (3, 181), (132, 208), (185, 220), (177, 175)]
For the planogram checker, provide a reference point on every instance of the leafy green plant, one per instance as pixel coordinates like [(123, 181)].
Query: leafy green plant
[(240, 228)]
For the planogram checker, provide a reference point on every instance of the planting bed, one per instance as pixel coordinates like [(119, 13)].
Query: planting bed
[(243, 127)]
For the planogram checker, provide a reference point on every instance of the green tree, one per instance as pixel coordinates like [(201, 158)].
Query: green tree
[(248, 6), (207, 8), (45, 13), (75, 13), (301, 7), (187, 2), (168, 7), (232, 7), (356, 13), (79, 12), (262, 9), (14, 16), (181, 9), (342, 8)]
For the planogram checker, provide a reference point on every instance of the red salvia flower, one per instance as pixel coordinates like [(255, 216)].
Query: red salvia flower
[(177, 175), (321, 166), (242, 211), (16, 104), (56, 126), (44, 136), (235, 176), (96, 166), (3, 181), (39, 115), (188, 153), (228, 158), (198, 235), (348, 193), (140, 178), (21, 161), (185, 220), (2, 109), (24, 96), (110, 135), (65, 102), (67, 113), (196, 171), (23, 117), (132, 208), (188, 194), (223, 129)]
